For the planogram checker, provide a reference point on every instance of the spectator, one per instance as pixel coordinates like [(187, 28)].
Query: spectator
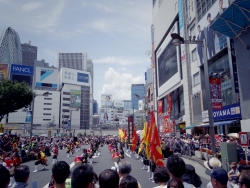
[(125, 169), (176, 168), (161, 176), (175, 183), (4, 177), (82, 177), (21, 176), (233, 174), (108, 179), (219, 178), (60, 172), (244, 179), (128, 182)]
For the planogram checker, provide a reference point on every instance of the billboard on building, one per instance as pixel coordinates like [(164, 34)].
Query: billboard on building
[(46, 77), (140, 105), (215, 90), (4, 70), (75, 98), (75, 77), (215, 41), (106, 117), (168, 65), (106, 100), (118, 103), (21, 69)]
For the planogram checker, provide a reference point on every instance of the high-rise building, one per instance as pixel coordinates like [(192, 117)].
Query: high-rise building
[(29, 54), (90, 69), (95, 107), (10, 47), (137, 93), (73, 60), (127, 104)]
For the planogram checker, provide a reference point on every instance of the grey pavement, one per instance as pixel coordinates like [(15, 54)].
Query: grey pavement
[(104, 161)]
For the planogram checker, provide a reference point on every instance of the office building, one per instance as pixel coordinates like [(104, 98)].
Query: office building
[(137, 93), (72, 60), (95, 107), (127, 104), (90, 69), (10, 47), (29, 54)]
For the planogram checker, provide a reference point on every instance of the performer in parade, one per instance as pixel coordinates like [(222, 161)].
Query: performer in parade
[(68, 149), (55, 151), (41, 160)]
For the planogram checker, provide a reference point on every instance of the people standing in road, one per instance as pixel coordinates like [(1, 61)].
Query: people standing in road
[(55, 151), (175, 183), (4, 177), (60, 172), (219, 178), (82, 177), (161, 177), (244, 179), (128, 182), (176, 168), (21, 176), (108, 179)]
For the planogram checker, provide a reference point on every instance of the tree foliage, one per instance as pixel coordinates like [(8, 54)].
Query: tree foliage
[(14, 96)]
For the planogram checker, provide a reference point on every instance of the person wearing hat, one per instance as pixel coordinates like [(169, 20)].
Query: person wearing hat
[(213, 162), (233, 174), (219, 178)]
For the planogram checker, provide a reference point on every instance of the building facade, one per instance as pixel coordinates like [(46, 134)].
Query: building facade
[(95, 107), (137, 93), (10, 47), (72, 60), (29, 54)]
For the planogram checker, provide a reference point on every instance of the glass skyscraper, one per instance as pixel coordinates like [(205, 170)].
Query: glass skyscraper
[(137, 93), (10, 47)]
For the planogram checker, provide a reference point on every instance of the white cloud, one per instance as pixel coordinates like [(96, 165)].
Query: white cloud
[(31, 6), (119, 84), (122, 60)]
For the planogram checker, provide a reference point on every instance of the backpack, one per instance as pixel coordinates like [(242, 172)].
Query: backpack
[(191, 177)]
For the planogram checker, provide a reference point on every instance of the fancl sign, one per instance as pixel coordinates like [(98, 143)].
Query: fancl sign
[(21, 69), (228, 112)]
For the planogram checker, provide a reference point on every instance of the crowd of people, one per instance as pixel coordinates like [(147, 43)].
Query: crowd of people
[(16, 150)]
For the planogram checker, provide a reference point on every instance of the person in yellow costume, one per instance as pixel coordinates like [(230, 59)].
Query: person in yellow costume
[(41, 160)]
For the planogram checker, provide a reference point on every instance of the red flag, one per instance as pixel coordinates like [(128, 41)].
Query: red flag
[(134, 139), (125, 133), (155, 149)]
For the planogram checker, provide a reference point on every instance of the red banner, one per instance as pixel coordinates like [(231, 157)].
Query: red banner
[(215, 90), (170, 104), (166, 124), (159, 107)]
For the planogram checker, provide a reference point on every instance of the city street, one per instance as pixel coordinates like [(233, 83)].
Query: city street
[(104, 161)]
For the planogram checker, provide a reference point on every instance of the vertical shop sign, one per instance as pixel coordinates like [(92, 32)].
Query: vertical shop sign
[(215, 89), (159, 107), (181, 27)]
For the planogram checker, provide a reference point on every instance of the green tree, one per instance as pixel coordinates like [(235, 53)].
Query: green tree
[(14, 96)]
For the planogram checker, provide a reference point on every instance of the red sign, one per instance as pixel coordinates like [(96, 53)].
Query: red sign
[(170, 104), (215, 90), (243, 137), (159, 107)]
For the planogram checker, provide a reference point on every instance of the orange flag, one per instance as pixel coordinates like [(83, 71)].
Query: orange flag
[(125, 133), (134, 139), (149, 135), (155, 149)]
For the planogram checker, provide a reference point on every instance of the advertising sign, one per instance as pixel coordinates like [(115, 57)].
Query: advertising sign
[(159, 107), (4, 69), (168, 63), (130, 129), (181, 27), (75, 99), (228, 112), (215, 41), (46, 77), (73, 76), (205, 117), (190, 11), (215, 90), (106, 116), (28, 117), (21, 69), (118, 104), (106, 100), (141, 104), (243, 137)]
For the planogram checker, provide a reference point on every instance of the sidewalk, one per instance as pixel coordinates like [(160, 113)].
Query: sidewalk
[(200, 170)]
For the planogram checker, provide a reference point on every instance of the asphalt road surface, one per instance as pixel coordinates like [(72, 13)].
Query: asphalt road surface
[(104, 161)]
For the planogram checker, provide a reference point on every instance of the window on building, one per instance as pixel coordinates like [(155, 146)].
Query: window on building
[(46, 119), (196, 79), (203, 7), (192, 31), (64, 104), (65, 116), (47, 98), (65, 110), (46, 114), (194, 55), (66, 99), (47, 103), (66, 93), (47, 109)]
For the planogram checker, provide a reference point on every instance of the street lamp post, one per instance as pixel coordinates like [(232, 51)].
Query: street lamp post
[(178, 40), (32, 115)]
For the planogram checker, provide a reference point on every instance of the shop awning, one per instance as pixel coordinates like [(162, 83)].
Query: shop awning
[(234, 20), (218, 123), (190, 127)]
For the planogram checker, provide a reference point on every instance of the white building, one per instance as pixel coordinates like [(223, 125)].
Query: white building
[(72, 60)]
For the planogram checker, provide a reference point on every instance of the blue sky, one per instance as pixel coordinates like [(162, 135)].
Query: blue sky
[(114, 33)]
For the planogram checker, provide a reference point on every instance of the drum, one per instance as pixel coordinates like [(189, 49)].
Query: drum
[(116, 157), (112, 151)]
